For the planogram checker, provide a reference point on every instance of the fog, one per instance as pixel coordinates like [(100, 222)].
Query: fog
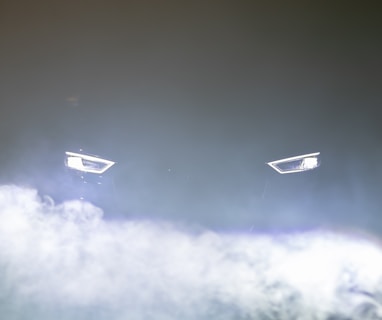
[(191, 99), (67, 261)]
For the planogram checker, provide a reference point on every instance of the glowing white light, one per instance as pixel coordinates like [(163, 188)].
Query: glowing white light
[(309, 163), (296, 164), (87, 163)]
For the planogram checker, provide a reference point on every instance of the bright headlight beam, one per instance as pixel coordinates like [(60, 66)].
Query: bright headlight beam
[(87, 163), (295, 164)]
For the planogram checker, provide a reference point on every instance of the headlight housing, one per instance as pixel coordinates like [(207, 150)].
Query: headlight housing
[(295, 164), (87, 163)]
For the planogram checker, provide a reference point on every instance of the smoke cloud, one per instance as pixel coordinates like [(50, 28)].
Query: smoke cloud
[(66, 261)]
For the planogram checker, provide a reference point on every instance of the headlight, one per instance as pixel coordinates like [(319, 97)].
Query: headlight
[(87, 163), (300, 163)]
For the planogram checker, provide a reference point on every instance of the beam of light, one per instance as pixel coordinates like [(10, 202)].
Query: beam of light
[(295, 164), (67, 262), (87, 163)]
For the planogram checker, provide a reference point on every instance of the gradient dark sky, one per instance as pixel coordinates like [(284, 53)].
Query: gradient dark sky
[(220, 82)]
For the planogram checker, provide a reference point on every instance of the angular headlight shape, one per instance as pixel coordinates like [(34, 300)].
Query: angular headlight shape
[(295, 164), (87, 163)]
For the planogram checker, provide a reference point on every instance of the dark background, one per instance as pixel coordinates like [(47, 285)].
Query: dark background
[(192, 98)]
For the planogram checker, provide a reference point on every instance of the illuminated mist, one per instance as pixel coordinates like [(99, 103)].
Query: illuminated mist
[(67, 262)]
